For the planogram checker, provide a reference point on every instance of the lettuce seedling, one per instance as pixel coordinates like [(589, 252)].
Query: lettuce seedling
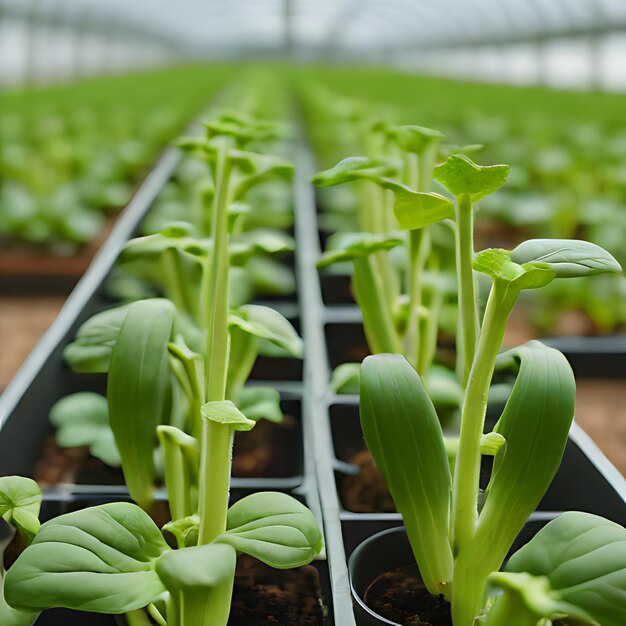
[(458, 535)]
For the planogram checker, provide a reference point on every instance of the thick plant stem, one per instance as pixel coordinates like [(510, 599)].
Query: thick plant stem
[(216, 293), (377, 321), (466, 476), (465, 276), (418, 252), (137, 618), (216, 438)]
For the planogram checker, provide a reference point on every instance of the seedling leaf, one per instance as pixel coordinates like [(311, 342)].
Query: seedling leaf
[(99, 559), (575, 566), (460, 175), (567, 258), (274, 528), (396, 412)]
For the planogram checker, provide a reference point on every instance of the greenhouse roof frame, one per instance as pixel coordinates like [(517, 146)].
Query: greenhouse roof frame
[(199, 26)]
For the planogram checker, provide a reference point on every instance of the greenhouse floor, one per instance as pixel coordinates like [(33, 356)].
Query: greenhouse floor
[(600, 409), (22, 322)]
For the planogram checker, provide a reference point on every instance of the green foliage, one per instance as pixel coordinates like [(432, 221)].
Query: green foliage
[(82, 419), (396, 412), (226, 413), (100, 559), (274, 528), (355, 168), (573, 567), (461, 176), (567, 258), (350, 246), (137, 390), (20, 501)]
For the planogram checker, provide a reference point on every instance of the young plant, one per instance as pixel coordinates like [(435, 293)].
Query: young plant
[(172, 337), (145, 347), (392, 322), (459, 535)]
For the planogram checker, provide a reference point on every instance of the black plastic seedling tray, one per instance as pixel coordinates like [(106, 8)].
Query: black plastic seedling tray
[(333, 334)]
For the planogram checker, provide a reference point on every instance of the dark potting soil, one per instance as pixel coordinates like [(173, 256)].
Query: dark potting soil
[(264, 596), (402, 597), (266, 451), (366, 492)]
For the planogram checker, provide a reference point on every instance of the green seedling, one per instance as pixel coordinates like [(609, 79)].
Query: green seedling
[(459, 536), (175, 379)]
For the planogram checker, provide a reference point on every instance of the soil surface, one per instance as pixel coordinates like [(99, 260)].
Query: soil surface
[(269, 450), (264, 596), (366, 492), (401, 596)]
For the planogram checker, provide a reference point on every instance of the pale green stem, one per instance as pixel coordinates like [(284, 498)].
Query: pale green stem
[(465, 276), (216, 293), (177, 480), (216, 438), (466, 476), (137, 618), (419, 243), (429, 331), (377, 321), (172, 279), (244, 350)]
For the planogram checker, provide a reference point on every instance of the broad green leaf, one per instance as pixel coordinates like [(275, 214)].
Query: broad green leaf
[(99, 559), (260, 403), (416, 138), (405, 438), (20, 501), (497, 263), (82, 419), (14, 617), (91, 351), (534, 424), (355, 168), (137, 390), (567, 258), (575, 566), (258, 168), (225, 412), (259, 241), (270, 277), (461, 176), (417, 209), (267, 323), (349, 246), (443, 387), (346, 378), (199, 566), (274, 528), (174, 235)]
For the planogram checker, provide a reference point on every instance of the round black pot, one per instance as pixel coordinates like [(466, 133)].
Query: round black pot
[(390, 549), (380, 553)]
